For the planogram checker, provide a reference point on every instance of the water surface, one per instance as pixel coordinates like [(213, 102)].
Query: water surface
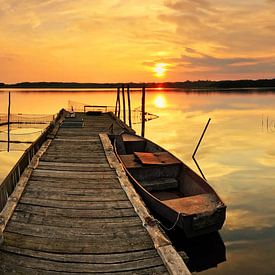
[(237, 156)]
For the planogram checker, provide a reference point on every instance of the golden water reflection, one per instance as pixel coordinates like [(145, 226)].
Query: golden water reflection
[(160, 101)]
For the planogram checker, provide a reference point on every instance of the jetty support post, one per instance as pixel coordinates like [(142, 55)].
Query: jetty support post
[(116, 108), (123, 102), (117, 111), (143, 111), (9, 114), (129, 106), (197, 147)]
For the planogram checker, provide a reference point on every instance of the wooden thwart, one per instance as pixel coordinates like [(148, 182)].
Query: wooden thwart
[(159, 158)]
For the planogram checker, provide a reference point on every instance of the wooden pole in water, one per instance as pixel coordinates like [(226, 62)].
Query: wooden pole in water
[(129, 106), (197, 147), (118, 99), (9, 113), (123, 101), (117, 96), (143, 111)]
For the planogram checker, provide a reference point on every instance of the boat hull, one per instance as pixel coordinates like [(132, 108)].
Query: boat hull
[(192, 206)]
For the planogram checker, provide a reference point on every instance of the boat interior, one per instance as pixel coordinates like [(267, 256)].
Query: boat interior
[(164, 176)]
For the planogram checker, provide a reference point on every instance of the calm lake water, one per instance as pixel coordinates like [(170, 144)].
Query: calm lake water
[(237, 156)]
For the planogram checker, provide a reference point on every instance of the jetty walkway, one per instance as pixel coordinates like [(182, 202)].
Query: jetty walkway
[(74, 211)]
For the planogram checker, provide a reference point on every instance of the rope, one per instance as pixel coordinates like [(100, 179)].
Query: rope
[(170, 228)]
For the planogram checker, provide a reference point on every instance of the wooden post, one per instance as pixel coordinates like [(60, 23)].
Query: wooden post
[(123, 101), (197, 147), (117, 99), (118, 102), (143, 111), (9, 114), (129, 106)]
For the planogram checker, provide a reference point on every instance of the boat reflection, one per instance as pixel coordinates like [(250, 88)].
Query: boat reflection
[(204, 252)]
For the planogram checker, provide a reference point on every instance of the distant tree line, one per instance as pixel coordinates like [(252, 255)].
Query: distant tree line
[(200, 84)]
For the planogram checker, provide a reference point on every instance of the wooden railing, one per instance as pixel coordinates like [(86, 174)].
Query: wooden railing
[(9, 183)]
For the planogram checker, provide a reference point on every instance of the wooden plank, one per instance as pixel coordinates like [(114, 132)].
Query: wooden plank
[(202, 203), (107, 258), (32, 190), (173, 261), (34, 263), (157, 158), (112, 244), (73, 197), (75, 155), (76, 222), (65, 140), (75, 184), (76, 175), (73, 160), (81, 234), (14, 268), (80, 213), (75, 169), (72, 165)]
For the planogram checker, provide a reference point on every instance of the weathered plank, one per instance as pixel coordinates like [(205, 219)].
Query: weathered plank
[(32, 262), (20, 270), (76, 222), (75, 195), (107, 258), (74, 183), (99, 244), (73, 212), (82, 234), (74, 174)]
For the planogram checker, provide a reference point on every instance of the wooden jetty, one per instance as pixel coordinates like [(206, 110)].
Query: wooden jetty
[(73, 210)]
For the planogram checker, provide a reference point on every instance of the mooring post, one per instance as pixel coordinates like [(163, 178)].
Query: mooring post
[(117, 99), (143, 111), (123, 102), (129, 106), (9, 114), (197, 147)]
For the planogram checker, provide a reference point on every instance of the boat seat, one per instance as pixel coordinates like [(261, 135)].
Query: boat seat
[(131, 138), (194, 204), (158, 158), (133, 143), (160, 184), (150, 172)]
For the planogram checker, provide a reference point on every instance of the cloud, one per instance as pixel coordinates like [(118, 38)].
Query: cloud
[(195, 62)]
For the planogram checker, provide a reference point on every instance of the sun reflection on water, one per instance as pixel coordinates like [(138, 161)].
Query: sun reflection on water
[(160, 101)]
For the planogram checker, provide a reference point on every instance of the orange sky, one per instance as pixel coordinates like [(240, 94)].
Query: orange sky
[(136, 40)]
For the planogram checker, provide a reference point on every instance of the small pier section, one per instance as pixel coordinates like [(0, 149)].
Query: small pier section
[(74, 212)]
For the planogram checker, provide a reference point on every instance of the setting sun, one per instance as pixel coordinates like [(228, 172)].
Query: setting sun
[(160, 69)]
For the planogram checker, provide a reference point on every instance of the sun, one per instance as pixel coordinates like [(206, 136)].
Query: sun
[(160, 69)]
